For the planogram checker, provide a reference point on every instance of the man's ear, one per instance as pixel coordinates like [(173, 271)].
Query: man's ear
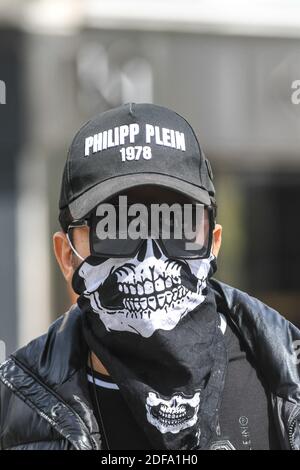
[(63, 254), (217, 239)]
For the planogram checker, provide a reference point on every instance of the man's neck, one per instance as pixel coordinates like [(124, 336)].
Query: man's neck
[(97, 365)]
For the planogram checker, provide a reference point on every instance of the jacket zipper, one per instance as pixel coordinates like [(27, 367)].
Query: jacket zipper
[(291, 430)]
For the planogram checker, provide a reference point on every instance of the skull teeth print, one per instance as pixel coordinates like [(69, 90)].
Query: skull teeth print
[(163, 292), (159, 285), (156, 298), (143, 295)]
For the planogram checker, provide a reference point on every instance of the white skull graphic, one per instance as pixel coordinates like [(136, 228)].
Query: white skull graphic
[(172, 415), (145, 293)]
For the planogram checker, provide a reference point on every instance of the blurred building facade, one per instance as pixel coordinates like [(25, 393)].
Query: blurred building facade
[(232, 84)]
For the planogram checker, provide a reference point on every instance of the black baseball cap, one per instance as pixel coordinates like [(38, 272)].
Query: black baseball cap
[(133, 145)]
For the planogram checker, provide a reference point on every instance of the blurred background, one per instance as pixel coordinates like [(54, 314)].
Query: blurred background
[(228, 66)]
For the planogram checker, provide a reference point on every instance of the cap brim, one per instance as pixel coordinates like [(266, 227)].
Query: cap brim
[(84, 203)]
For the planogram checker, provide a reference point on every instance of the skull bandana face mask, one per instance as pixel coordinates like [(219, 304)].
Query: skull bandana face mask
[(153, 323)]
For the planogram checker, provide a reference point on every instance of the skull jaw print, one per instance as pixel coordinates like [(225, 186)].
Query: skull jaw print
[(144, 295), (173, 415)]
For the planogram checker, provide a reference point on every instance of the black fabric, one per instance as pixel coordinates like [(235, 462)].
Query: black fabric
[(170, 361), (189, 360), (245, 419), (121, 428)]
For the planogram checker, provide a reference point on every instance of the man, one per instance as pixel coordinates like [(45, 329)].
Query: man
[(156, 353)]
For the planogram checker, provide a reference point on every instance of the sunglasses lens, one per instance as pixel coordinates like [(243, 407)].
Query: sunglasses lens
[(185, 249), (113, 247)]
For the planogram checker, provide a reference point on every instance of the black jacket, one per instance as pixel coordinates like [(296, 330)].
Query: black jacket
[(44, 398)]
